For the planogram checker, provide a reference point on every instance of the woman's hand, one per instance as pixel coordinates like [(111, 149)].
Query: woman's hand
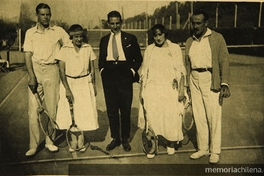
[(69, 96), (175, 84), (95, 90)]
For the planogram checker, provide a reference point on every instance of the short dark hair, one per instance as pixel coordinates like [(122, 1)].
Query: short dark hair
[(113, 14), (158, 27), (75, 27), (203, 12), (42, 6)]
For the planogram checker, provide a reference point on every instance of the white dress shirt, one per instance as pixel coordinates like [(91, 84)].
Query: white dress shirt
[(121, 54), (200, 52)]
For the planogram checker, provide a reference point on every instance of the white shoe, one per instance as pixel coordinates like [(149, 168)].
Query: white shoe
[(83, 149), (170, 150), (71, 149), (150, 156), (51, 147), (199, 154), (31, 152), (214, 158)]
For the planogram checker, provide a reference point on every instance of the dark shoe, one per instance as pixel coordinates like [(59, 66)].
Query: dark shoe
[(126, 145), (114, 143)]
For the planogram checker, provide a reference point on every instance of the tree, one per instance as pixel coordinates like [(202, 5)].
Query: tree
[(8, 32), (247, 14)]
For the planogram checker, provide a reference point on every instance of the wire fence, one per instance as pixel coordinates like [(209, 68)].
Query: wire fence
[(176, 19)]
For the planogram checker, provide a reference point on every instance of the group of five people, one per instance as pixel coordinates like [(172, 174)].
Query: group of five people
[(51, 55)]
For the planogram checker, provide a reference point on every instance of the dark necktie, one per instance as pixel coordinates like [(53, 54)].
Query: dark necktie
[(114, 47)]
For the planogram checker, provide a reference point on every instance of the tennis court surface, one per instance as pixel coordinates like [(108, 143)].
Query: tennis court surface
[(242, 131)]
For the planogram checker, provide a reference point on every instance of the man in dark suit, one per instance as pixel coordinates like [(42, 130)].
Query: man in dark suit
[(119, 61)]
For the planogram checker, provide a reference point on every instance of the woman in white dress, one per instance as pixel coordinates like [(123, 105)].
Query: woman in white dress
[(161, 71), (76, 65)]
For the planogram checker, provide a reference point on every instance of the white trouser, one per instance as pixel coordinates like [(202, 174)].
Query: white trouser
[(48, 89), (207, 112)]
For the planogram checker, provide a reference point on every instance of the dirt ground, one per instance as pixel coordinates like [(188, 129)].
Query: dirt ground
[(242, 133)]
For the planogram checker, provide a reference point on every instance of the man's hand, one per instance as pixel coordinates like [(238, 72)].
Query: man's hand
[(225, 92), (33, 84), (40, 110)]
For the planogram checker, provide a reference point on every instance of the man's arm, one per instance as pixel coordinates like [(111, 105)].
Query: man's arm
[(136, 55), (32, 83), (102, 54), (223, 61), (65, 38), (224, 69)]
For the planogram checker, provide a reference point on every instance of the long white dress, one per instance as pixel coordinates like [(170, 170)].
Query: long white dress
[(160, 67), (85, 112)]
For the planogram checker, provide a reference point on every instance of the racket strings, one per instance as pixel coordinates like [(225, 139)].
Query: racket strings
[(149, 141), (187, 117), (74, 135), (187, 122), (75, 138), (46, 124)]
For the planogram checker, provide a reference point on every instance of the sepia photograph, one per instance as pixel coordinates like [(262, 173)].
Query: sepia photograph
[(131, 87)]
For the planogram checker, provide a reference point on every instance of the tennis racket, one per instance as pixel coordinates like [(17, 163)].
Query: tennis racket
[(47, 124), (187, 121), (74, 135), (149, 139), (93, 147)]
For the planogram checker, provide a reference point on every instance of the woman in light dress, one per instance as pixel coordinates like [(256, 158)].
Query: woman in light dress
[(76, 65), (161, 71)]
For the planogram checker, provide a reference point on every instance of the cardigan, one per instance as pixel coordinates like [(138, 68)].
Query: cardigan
[(220, 60)]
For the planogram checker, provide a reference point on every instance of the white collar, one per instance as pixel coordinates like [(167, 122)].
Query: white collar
[(207, 33)]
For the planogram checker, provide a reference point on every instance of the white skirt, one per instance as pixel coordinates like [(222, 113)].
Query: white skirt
[(163, 111), (85, 112)]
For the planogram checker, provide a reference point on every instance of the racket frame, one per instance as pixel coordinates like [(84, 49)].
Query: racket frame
[(189, 103), (146, 131), (73, 125), (54, 124), (186, 139)]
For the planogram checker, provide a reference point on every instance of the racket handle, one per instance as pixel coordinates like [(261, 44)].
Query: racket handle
[(220, 100), (72, 114), (71, 106), (38, 99)]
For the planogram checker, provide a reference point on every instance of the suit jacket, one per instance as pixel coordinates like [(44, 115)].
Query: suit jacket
[(220, 60), (131, 50)]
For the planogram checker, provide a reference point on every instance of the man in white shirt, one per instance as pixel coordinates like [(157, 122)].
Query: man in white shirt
[(41, 44), (207, 66)]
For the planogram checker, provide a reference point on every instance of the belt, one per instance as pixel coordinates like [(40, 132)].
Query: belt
[(51, 63), (203, 69), (76, 77), (116, 62)]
